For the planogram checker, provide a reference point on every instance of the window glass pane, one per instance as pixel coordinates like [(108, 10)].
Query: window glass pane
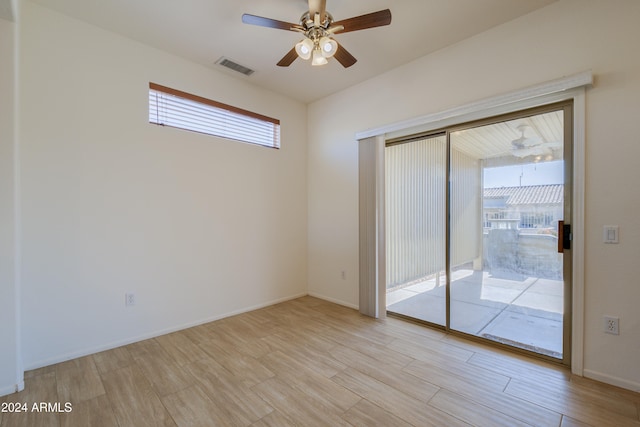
[(415, 194), (507, 195)]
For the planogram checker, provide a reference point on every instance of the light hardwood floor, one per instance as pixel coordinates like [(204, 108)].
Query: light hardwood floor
[(308, 362)]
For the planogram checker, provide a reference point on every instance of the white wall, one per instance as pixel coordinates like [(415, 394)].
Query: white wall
[(198, 227), (565, 38), (10, 371)]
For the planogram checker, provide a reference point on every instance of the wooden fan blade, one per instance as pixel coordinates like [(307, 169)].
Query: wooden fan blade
[(288, 58), (269, 23), (370, 20), (317, 6), (343, 56)]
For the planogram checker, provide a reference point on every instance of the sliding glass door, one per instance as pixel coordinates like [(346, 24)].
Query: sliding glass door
[(415, 182), (484, 256)]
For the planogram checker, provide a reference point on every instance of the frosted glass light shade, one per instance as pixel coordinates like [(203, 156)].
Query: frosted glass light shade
[(318, 58), (328, 47), (304, 49)]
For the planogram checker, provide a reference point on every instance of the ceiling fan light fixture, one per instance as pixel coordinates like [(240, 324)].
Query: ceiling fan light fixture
[(318, 58), (304, 49), (318, 27), (328, 47)]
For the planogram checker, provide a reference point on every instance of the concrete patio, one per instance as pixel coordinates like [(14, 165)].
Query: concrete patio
[(521, 311)]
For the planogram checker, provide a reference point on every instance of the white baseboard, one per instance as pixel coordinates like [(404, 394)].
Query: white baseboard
[(333, 300), (611, 380), (120, 343)]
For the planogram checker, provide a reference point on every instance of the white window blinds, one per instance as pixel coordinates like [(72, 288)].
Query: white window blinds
[(171, 107)]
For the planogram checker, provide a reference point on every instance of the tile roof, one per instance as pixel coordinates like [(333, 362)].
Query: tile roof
[(528, 195)]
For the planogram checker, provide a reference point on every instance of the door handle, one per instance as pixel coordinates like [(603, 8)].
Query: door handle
[(564, 236)]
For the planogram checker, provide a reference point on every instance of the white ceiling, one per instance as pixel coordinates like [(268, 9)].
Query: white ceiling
[(205, 30)]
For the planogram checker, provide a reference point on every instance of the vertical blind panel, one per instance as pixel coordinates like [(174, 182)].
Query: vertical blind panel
[(415, 175), (465, 207), (174, 111)]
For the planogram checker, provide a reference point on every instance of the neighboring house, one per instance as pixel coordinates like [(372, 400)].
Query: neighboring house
[(521, 229), (525, 207)]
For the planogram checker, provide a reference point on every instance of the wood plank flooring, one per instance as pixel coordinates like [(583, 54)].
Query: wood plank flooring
[(307, 362)]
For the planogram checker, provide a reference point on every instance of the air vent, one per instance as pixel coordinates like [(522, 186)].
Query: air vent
[(234, 66)]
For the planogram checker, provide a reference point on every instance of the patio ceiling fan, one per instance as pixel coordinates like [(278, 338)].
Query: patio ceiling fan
[(318, 27), (524, 146)]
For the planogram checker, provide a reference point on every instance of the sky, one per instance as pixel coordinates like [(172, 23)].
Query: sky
[(522, 175)]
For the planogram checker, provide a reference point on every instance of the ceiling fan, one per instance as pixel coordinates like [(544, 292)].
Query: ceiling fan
[(318, 27), (532, 146)]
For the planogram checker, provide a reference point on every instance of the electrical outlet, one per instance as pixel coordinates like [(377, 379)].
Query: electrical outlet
[(612, 325), (129, 299)]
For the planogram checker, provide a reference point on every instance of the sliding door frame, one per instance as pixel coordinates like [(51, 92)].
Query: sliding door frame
[(566, 88), (567, 113)]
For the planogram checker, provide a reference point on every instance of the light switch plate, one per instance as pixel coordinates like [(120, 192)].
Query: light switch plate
[(610, 234)]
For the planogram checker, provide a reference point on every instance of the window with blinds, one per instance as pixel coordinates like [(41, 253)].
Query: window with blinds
[(171, 107)]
